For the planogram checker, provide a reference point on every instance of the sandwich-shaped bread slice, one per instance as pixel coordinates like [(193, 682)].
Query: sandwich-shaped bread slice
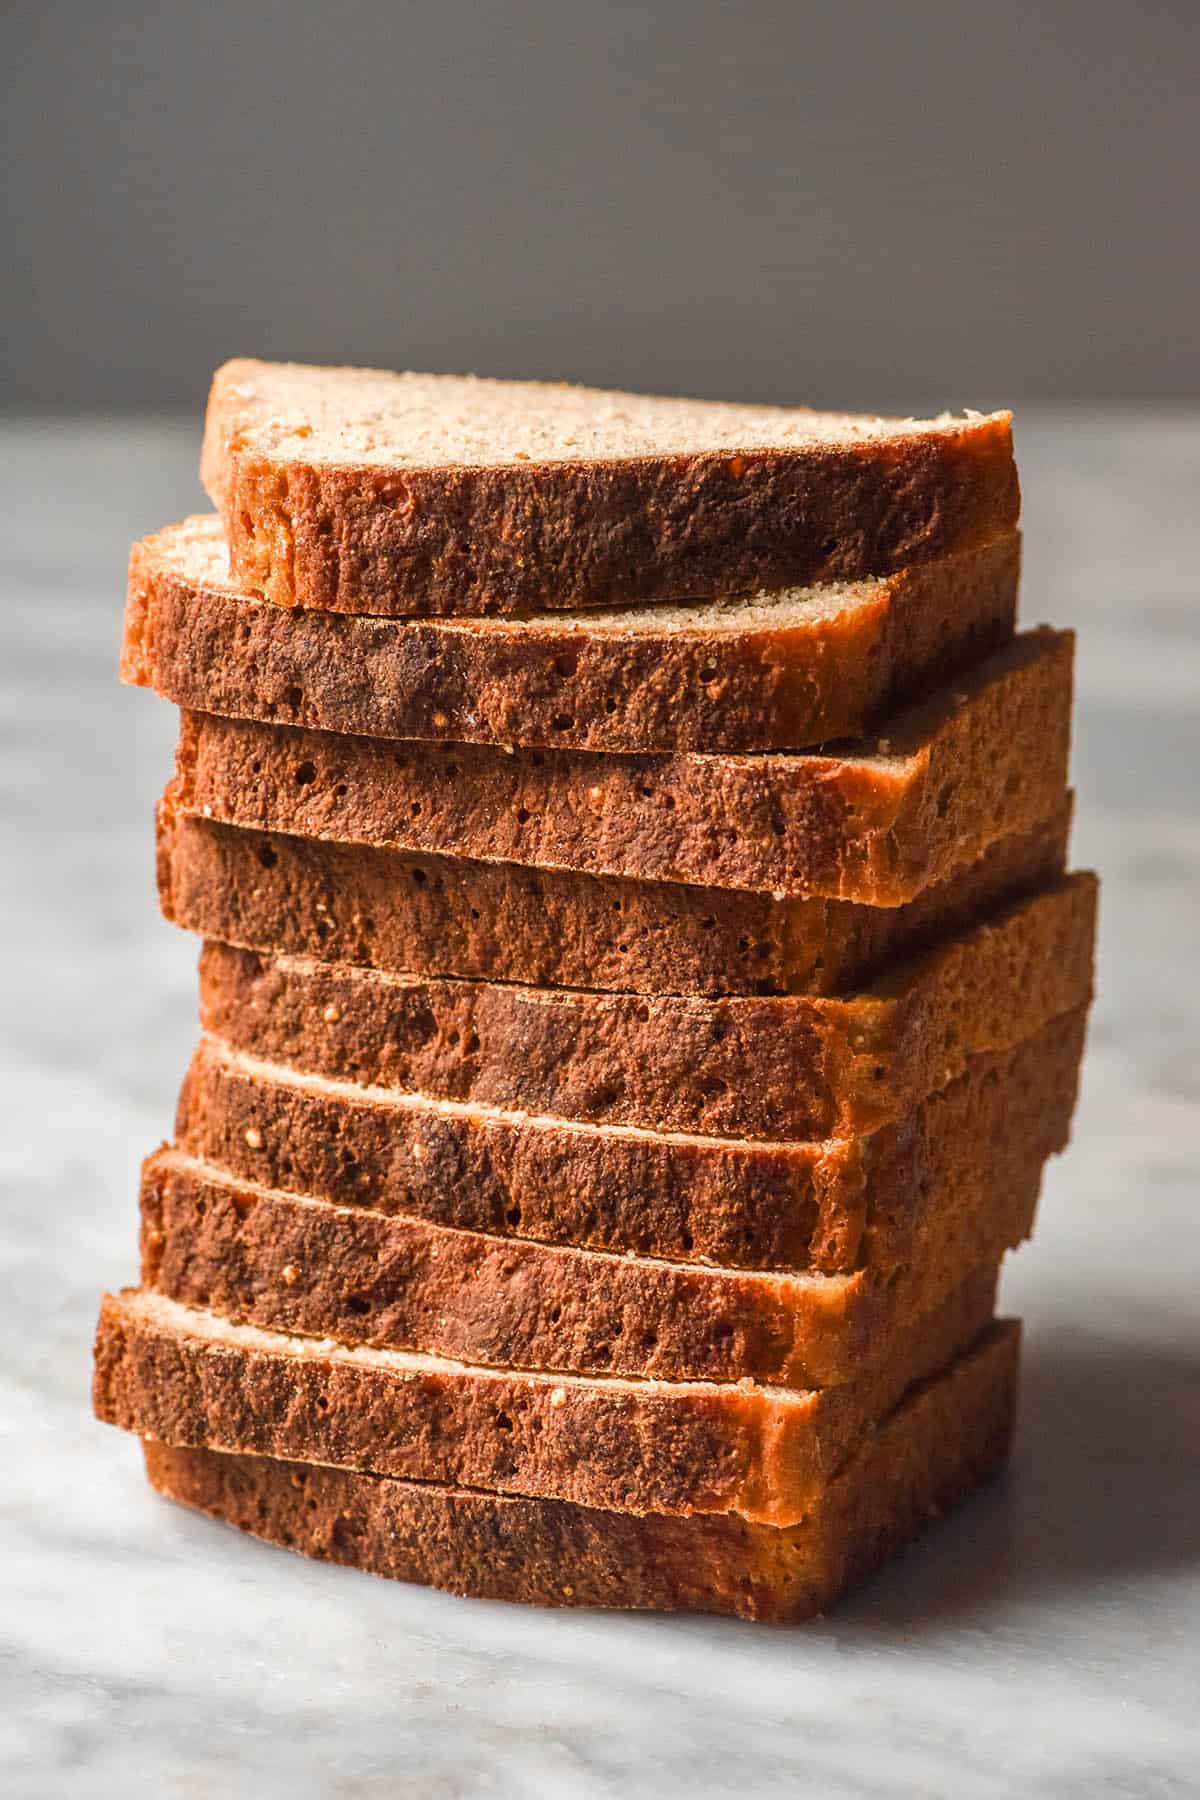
[(758, 672), (357, 490), (946, 1437), (874, 822)]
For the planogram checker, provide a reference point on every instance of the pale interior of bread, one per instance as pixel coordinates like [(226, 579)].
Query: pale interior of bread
[(371, 417)]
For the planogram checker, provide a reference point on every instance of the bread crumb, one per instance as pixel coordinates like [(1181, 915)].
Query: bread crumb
[(331, 1015), (558, 1397), (253, 1137), (418, 1151), (291, 1274)]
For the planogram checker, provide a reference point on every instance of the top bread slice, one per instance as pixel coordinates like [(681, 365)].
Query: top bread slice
[(356, 490), (767, 672)]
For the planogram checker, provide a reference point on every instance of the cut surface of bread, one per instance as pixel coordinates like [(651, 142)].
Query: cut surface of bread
[(874, 824), (192, 1379), (775, 671), (946, 1437), (356, 490), (295, 1264), (905, 1195), (769, 1067), (447, 916), (830, 1206)]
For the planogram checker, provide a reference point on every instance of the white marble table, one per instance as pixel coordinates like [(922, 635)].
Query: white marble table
[(1045, 1641)]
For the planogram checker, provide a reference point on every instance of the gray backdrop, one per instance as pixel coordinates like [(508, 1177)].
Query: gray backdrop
[(854, 203)]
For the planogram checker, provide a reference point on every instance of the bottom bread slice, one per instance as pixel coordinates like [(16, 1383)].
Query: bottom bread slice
[(196, 1380), (947, 1436)]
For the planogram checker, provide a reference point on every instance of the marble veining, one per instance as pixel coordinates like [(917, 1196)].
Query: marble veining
[(1044, 1642)]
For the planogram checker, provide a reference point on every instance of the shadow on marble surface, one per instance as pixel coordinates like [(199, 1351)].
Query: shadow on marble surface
[(1103, 1489)]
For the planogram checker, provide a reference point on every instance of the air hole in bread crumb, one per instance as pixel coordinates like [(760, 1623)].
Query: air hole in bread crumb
[(419, 877), (513, 1214), (503, 1422), (294, 697), (306, 773), (522, 815), (266, 856), (708, 672), (359, 1304), (562, 721), (555, 1314)]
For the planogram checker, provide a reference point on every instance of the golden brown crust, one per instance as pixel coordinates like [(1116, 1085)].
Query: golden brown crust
[(779, 1067), (986, 759), (632, 1446), (769, 684), (831, 1207), (946, 1438), (344, 534)]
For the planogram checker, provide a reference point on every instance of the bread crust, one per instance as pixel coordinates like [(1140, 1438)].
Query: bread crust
[(763, 1452), (777, 1067), (542, 535), (588, 684), (949, 1435), (828, 1207), (983, 760), (449, 916)]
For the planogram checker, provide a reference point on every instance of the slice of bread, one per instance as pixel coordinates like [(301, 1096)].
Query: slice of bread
[(777, 671), (770, 1067), (440, 915), (947, 1436), (289, 1262), (354, 490), (191, 1378), (894, 1198), (874, 823)]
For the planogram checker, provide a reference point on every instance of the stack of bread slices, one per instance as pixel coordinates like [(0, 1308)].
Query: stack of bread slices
[(640, 987)]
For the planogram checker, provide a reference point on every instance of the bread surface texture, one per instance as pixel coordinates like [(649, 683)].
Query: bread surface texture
[(947, 1437), (779, 1067), (773, 671), (912, 1195), (193, 1379), (450, 916), (290, 1263), (354, 490), (873, 823)]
